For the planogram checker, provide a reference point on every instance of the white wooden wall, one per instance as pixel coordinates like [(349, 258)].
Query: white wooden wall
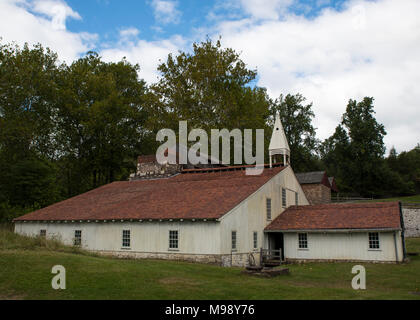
[(343, 246), (250, 215), (153, 237)]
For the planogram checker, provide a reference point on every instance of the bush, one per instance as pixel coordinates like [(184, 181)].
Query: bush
[(9, 240)]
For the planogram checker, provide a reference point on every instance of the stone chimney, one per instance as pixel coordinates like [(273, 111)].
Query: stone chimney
[(149, 168)]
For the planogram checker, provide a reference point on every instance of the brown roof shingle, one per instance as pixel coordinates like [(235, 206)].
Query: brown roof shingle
[(185, 196), (381, 215)]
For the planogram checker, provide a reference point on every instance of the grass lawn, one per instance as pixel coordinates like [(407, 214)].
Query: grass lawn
[(408, 199), (26, 264)]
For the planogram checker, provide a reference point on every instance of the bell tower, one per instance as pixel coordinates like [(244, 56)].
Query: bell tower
[(278, 144)]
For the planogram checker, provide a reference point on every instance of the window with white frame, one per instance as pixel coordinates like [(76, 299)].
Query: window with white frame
[(374, 240), (268, 208), (303, 241), (43, 233), (234, 240), (126, 238), (77, 237), (283, 197), (297, 198), (173, 239), (255, 240)]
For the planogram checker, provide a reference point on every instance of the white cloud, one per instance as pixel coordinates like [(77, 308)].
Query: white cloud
[(58, 11), (254, 9), (148, 54), (369, 48), (265, 9), (43, 21), (166, 11), (129, 32)]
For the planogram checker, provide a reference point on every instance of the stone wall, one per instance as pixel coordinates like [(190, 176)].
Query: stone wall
[(411, 222), (225, 260), (154, 170), (317, 193)]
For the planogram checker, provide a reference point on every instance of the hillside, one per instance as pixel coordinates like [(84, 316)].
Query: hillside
[(26, 274)]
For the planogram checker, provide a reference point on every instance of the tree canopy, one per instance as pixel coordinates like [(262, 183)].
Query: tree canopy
[(65, 129)]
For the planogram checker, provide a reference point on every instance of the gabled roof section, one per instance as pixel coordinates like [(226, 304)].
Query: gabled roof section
[(333, 185), (315, 177), (207, 195), (278, 142), (372, 216)]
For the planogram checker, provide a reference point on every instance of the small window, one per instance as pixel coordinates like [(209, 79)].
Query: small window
[(234, 240), (268, 208), (374, 240), (43, 233), (303, 241), (283, 197), (255, 240), (126, 239), (77, 237), (173, 239), (297, 198)]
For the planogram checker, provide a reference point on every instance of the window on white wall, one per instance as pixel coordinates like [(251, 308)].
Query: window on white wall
[(374, 240), (297, 198), (43, 233), (255, 240), (303, 241), (283, 197), (173, 239), (234, 240), (77, 237), (126, 238), (268, 208)]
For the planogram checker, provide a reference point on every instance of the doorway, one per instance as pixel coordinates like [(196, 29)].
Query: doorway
[(276, 244)]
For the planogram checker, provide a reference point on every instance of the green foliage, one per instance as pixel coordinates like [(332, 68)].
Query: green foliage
[(297, 119), (210, 88), (10, 240), (407, 166), (65, 129), (101, 121), (354, 155)]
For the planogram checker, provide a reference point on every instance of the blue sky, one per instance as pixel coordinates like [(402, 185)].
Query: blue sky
[(107, 17), (328, 50)]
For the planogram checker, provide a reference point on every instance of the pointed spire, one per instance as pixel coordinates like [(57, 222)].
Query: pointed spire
[(278, 142)]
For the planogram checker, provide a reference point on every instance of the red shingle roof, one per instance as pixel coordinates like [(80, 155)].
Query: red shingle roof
[(185, 196), (385, 215)]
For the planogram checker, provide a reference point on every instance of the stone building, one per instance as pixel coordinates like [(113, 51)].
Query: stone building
[(317, 186)]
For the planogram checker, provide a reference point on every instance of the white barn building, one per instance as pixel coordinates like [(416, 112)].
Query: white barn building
[(214, 215)]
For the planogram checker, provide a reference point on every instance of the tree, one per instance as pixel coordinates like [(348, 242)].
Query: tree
[(297, 118), (28, 108), (335, 153), (355, 152), (211, 88), (407, 166), (28, 95), (101, 120)]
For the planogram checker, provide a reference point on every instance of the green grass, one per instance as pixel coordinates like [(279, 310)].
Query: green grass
[(26, 264), (409, 199)]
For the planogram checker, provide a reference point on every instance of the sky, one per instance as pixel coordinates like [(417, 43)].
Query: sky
[(330, 51)]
